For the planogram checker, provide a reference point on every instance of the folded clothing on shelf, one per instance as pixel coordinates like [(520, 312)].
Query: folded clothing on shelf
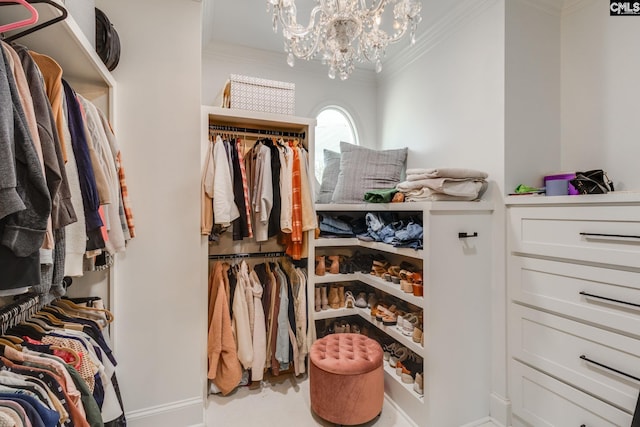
[(386, 227), (443, 184)]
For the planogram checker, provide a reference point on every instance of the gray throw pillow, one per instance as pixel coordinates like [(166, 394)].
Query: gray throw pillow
[(363, 169), (329, 176)]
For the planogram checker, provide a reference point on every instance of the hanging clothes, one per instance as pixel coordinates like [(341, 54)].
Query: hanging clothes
[(224, 367), (25, 205), (50, 383)]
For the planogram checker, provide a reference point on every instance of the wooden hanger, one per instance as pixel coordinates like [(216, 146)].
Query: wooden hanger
[(19, 24), (87, 311), (63, 15)]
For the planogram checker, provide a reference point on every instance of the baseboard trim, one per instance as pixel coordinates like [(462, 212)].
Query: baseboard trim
[(479, 422), (188, 411), (500, 410), (399, 410)]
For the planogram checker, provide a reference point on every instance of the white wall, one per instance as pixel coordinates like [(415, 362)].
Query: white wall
[(600, 93), (532, 88), (447, 106), (161, 316), (314, 90)]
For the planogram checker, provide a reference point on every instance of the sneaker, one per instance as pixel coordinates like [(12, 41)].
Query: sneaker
[(418, 384), (398, 355), (361, 300)]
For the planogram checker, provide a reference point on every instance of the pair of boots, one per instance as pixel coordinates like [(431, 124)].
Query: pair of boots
[(334, 298), (321, 264)]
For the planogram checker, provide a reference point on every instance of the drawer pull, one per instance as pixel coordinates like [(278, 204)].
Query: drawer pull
[(610, 236), (467, 235), (610, 299), (624, 374)]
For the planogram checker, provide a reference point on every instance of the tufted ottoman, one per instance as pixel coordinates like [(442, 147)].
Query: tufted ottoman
[(346, 378)]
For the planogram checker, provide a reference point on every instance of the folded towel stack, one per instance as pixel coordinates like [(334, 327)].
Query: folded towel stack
[(443, 184)]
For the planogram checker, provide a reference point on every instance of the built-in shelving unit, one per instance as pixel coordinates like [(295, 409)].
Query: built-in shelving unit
[(455, 304)]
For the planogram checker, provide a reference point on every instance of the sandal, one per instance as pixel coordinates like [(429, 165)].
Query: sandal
[(390, 319), (398, 355), (349, 300)]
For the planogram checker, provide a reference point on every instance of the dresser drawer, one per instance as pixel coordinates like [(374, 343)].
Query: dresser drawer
[(595, 234), (555, 345), (605, 297), (540, 400)]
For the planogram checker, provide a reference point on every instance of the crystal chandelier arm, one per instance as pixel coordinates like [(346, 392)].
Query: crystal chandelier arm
[(297, 29)]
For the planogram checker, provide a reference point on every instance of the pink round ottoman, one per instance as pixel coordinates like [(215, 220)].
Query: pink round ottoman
[(346, 378)]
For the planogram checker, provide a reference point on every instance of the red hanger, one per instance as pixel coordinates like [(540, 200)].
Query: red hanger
[(19, 24)]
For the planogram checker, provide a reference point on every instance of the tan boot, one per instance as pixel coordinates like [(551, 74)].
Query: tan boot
[(334, 297), (317, 299), (324, 299), (320, 265), (334, 268), (341, 296)]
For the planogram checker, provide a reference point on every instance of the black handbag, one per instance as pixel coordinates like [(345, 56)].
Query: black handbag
[(107, 41), (594, 181)]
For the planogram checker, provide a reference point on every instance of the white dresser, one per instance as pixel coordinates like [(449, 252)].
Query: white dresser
[(573, 280)]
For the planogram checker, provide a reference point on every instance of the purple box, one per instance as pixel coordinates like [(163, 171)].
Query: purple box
[(567, 176)]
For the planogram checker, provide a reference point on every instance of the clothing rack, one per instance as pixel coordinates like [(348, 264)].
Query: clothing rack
[(19, 311), (248, 255), (262, 132)]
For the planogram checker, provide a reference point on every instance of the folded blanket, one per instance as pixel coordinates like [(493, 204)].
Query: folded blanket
[(419, 174), (450, 186), (428, 195)]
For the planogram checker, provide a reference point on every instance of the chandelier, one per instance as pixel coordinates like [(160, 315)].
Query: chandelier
[(343, 32)]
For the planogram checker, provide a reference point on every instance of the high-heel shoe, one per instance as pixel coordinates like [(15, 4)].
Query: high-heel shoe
[(334, 267), (320, 265), (334, 297), (317, 299), (324, 298)]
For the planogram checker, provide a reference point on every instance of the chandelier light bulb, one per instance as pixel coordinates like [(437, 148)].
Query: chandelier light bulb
[(344, 32)]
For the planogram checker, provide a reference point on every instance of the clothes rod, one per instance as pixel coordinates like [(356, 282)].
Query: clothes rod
[(266, 132), (248, 255)]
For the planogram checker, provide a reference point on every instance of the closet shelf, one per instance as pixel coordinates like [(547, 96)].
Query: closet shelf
[(334, 313), (374, 281), (66, 43), (390, 373), (332, 278), (391, 289), (365, 313), (393, 332), (379, 246)]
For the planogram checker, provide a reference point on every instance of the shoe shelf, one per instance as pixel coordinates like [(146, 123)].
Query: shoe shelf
[(331, 278), (456, 264), (392, 331), (390, 373), (379, 246), (336, 312), (373, 281), (390, 288), (365, 313)]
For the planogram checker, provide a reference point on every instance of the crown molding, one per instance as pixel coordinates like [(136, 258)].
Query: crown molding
[(551, 7), (434, 35), (573, 6), (260, 58)]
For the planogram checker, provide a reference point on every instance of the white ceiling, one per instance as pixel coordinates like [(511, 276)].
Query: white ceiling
[(247, 23)]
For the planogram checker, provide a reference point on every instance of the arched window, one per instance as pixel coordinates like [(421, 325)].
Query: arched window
[(334, 125)]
